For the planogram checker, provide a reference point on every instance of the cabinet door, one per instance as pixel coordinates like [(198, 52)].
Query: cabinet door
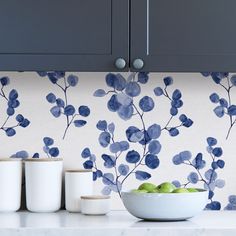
[(184, 35), (68, 35)]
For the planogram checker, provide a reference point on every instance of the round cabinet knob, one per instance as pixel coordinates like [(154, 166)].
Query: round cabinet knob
[(138, 64), (120, 63)]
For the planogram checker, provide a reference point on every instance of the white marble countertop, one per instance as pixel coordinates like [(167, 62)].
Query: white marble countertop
[(116, 223)]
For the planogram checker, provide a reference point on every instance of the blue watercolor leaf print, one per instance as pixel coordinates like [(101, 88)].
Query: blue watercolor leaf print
[(210, 178), (121, 158), (142, 175), (224, 105), (60, 106), (12, 103), (50, 151)]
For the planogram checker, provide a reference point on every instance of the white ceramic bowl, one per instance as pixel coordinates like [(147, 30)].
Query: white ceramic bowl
[(165, 206)]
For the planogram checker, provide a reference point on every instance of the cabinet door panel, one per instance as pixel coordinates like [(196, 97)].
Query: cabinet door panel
[(184, 35), (83, 35)]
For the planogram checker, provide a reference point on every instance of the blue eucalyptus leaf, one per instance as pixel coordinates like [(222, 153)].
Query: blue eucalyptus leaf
[(126, 112), (104, 139), (25, 123), (48, 141), (217, 152), (88, 165), (51, 98), (115, 147), (111, 80), (72, 80), (101, 125), (224, 103), (99, 93), (54, 152), (214, 97), (233, 80), (173, 132), (60, 102), (146, 139), (120, 83), (55, 111), (188, 123), (183, 118), (108, 179), (13, 103), (69, 110), (124, 99), (36, 155), (220, 164), (154, 131), (20, 118), (152, 161), (193, 177), (142, 175), (176, 95), (211, 141), (10, 132), (106, 190), (220, 183), (154, 147), (133, 89), (176, 183), (177, 160), (113, 104), (214, 205), (132, 157), (143, 77), (109, 161), (4, 81), (86, 153), (10, 111), (168, 81), (158, 91), (211, 175), (232, 110), (124, 146), (84, 111), (80, 123), (146, 104), (123, 169), (13, 95), (198, 162), (111, 128), (185, 155), (173, 111)]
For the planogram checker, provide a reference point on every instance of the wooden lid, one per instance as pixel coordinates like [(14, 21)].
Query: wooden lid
[(43, 159), (78, 170), (95, 197), (10, 159)]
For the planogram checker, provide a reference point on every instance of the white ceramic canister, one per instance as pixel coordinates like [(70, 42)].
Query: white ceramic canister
[(43, 179), (95, 205), (10, 184), (77, 183)]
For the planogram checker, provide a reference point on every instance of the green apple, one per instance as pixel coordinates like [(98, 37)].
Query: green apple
[(154, 191), (181, 190), (192, 190), (147, 186), (166, 187), (139, 191)]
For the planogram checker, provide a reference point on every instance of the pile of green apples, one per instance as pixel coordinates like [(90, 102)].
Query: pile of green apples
[(165, 187)]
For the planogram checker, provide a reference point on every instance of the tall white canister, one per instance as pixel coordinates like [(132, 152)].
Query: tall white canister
[(10, 184), (77, 184), (43, 179)]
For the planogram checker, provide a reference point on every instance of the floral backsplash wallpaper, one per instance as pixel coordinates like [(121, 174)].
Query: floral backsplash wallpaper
[(128, 127)]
